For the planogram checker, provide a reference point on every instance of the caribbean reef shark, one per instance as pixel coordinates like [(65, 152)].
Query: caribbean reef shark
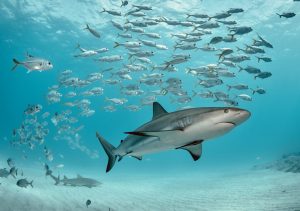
[(183, 129)]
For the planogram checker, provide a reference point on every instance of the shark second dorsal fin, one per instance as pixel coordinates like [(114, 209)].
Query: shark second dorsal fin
[(158, 110)]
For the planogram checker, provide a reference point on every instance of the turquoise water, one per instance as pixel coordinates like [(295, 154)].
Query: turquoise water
[(52, 29)]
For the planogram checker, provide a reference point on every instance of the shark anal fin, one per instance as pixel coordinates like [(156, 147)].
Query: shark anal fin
[(158, 110), (155, 133), (137, 157), (194, 148)]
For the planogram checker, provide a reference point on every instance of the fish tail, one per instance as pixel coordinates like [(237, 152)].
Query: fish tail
[(194, 93), (258, 59), (87, 26), (279, 15), (240, 68), (104, 10), (31, 184), (229, 87), (116, 44), (109, 149), (253, 91), (16, 62)]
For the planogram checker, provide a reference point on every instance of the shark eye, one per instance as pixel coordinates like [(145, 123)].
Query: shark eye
[(226, 110)]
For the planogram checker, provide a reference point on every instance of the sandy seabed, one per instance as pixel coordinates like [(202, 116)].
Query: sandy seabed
[(258, 190)]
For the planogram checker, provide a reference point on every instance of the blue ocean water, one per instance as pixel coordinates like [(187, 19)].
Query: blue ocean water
[(52, 30)]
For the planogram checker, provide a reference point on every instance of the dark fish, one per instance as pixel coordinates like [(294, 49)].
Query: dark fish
[(215, 40), (10, 162), (124, 3), (88, 203), (235, 10), (265, 59), (263, 75), (286, 14), (23, 183)]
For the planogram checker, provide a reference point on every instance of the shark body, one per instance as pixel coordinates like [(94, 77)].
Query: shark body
[(183, 129)]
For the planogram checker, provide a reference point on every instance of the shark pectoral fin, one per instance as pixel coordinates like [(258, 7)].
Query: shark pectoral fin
[(137, 157), (155, 133), (194, 148)]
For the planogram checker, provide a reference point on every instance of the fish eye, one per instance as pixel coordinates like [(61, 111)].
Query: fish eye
[(49, 63), (226, 110)]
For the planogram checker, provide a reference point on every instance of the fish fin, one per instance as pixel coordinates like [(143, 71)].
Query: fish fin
[(87, 26), (155, 133), (279, 15), (194, 148), (65, 177), (229, 87), (16, 62), (240, 68), (109, 149), (137, 157), (31, 184), (116, 44), (28, 71), (158, 110), (79, 176)]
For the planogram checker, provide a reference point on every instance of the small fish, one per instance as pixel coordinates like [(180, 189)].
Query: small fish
[(23, 183), (238, 87), (263, 75), (258, 90), (33, 64), (244, 97), (125, 35), (112, 12), (286, 14), (235, 10), (89, 202), (124, 3), (10, 162), (240, 30), (250, 69), (92, 31), (265, 59)]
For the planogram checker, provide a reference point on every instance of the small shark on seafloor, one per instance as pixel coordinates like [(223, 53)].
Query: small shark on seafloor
[(184, 129)]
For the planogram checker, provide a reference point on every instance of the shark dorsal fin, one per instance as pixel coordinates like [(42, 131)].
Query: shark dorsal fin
[(79, 176), (158, 110)]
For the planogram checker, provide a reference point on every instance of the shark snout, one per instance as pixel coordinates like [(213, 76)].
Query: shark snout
[(240, 116)]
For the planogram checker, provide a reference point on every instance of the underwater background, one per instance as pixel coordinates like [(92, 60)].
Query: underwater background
[(168, 180)]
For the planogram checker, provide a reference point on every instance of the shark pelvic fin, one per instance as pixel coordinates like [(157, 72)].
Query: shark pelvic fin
[(158, 110), (137, 157), (194, 148)]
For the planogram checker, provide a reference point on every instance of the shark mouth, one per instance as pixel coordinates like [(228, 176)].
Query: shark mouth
[(232, 123)]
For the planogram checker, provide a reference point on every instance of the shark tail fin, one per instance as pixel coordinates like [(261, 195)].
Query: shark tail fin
[(16, 62), (109, 149)]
